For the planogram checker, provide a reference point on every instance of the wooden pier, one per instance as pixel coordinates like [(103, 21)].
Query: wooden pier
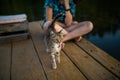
[(27, 60)]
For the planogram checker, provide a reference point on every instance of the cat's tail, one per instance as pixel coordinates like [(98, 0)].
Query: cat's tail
[(55, 19)]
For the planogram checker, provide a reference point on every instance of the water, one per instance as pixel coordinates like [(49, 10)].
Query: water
[(109, 42), (105, 17)]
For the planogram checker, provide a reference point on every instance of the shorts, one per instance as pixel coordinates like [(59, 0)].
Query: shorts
[(45, 24)]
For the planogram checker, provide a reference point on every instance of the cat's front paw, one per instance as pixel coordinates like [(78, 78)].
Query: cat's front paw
[(54, 66)]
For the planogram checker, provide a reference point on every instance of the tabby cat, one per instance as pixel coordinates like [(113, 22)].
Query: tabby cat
[(53, 41)]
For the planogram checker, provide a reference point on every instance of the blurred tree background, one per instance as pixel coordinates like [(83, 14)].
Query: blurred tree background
[(103, 13)]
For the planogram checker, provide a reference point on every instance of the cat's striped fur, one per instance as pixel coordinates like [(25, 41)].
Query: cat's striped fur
[(53, 41)]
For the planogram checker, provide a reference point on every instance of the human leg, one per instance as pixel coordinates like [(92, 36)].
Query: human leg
[(77, 39), (79, 29), (74, 31), (57, 27)]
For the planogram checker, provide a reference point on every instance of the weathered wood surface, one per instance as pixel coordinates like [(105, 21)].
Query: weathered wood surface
[(27, 60), (14, 27), (90, 67), (66, 70), (5, 61), (14, 37), (14, 31), (100, 56), (4, 19)]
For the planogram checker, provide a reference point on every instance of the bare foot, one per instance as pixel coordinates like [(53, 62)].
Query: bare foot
[(62, 45), (78, 39)]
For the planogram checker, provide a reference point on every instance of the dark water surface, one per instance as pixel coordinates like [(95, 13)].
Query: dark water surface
[(105, 15)]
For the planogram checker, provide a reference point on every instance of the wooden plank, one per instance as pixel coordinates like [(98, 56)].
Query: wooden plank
[(14, 37), (25, 62), (105, 59), (14, 32), (12, 18), (14, 27), (88, 66), (66, 69), (5, 61)]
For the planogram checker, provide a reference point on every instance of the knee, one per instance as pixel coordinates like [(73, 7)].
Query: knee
[(74, 22), (89, 25)]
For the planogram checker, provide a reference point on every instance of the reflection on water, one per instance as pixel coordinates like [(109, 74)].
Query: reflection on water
[(109, 41), (105, 15)]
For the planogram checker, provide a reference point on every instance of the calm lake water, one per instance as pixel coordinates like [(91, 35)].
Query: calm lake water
[(105, 15)]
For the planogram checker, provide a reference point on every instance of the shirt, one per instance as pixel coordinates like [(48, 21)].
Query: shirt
[(58, 8)]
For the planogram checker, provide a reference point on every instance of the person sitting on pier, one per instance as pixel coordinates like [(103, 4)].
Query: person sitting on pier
[(71, 29)]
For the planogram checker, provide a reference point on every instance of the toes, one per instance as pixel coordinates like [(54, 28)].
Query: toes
[(62, 45), (78, 39)]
